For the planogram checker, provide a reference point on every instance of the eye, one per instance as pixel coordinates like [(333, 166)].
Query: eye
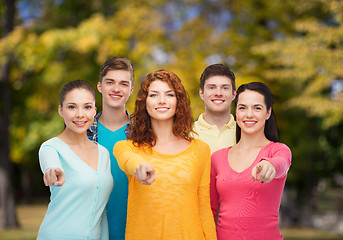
[(170, 95), (258, 108), (88, 107), (125, 84), (241, 108), (153, 95), (71, 107), (109, 82)]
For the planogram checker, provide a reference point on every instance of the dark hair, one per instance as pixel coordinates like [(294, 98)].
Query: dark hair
[(270, 129), (217, 69), (79, 84), (139, 129), (116, 63)]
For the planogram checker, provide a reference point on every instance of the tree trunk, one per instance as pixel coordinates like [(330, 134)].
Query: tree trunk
[(7, 202)]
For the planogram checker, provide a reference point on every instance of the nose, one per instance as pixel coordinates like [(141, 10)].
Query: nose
[(218, 91), (250, 112), (161, 99), (79, 113), (115, 87)]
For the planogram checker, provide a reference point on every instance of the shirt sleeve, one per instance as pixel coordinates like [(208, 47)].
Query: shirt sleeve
[(48, 158), (128, 159), (206, 218), (213, 189), (280, 158)]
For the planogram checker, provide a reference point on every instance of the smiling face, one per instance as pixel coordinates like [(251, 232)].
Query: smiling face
[(116, 88), (78, 110), (217, 94), (251, 112), (161, 101)]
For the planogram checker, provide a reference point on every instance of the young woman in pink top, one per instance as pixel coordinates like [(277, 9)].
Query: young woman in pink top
[(247, 179)]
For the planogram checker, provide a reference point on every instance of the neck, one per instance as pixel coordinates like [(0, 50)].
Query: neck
[(163, 130), (219, 119), (113, 118), (72, 138), (250, 141)]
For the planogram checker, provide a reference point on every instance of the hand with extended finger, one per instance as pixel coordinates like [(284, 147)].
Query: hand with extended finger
[(54, 177), (264, 171), (145, 174)]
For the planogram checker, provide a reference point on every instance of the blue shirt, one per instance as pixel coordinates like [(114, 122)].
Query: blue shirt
[(77, 208), (117, 204)]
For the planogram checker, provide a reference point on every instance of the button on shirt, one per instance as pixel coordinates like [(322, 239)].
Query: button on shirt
[(215, 138)]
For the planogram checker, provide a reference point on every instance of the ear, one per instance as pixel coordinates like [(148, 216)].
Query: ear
[(269, 112), (131, 90), (99, 87), (234, 94), (201, 94), (60, 112)]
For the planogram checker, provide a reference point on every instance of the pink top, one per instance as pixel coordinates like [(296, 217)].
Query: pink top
[(248, 209)]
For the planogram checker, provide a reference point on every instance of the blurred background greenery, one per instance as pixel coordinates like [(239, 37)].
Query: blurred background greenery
[(295, 47)]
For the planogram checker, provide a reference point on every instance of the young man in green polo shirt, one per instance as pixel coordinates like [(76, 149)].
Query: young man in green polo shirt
[(217, 126)]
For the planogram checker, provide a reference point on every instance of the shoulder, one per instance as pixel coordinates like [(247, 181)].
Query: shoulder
[(123, 143), (102, 149), (278, 148), (54, 143), (200, 124), (201, 145), (220, 153)]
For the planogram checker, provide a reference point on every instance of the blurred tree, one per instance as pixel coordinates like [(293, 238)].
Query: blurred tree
[(281, 43), (304, 68), (44, 61), (8, 218)]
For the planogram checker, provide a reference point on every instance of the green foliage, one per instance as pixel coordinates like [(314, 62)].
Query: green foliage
[(295, 47)]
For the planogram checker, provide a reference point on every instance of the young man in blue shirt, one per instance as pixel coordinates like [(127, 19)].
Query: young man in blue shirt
[(116, 85)]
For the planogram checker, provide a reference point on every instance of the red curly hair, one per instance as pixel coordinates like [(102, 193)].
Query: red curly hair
[(139, 129)]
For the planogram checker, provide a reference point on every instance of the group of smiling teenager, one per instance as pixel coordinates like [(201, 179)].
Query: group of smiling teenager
[(157, 174)]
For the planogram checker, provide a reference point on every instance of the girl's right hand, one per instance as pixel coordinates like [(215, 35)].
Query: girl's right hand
[(54, 177), (145, 174)]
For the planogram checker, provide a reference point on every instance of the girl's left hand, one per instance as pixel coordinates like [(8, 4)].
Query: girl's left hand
[(264, 171)]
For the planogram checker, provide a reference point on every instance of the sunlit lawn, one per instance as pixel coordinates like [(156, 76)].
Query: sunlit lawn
[(30, 217)]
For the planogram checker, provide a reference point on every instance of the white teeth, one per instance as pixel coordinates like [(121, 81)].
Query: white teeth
[(218, 101), (79, 122)]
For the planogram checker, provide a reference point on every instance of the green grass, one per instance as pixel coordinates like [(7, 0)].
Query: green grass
[(31, 216)]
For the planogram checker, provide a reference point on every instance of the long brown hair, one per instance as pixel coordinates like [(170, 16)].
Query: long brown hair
[(139, 129)]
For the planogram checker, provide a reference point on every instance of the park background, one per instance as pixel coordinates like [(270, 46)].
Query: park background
[(294, 46)]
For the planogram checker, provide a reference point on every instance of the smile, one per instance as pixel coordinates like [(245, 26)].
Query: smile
[(162, 109), (250, 123), (115, 96), (218, 101), (80, 124)]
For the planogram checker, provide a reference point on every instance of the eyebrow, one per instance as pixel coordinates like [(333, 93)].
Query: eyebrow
[(213, 84), (72, 103), (111, 79), (160, 91), (253, 105)]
